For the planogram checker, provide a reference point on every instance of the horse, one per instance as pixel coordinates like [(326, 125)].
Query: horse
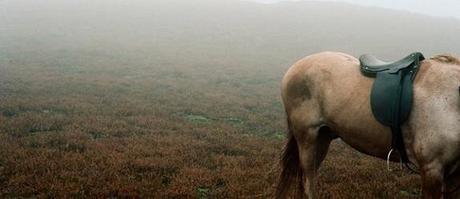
[(326, 97)]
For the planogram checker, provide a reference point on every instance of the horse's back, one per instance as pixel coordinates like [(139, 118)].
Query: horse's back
[(312, 76)]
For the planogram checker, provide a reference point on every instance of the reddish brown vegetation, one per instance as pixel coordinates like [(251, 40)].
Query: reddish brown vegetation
[(172, 132)]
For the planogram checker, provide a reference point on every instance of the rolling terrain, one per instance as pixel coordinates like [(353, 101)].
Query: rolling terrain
[(180, 99)]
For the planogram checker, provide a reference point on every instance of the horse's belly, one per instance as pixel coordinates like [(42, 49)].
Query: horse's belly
[(368, 141)]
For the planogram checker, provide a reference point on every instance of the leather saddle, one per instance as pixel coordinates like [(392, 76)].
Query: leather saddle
[(392, 92)]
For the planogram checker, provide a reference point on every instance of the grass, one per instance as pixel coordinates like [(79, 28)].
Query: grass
[(103, 129)]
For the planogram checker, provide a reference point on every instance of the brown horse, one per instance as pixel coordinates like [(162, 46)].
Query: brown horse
[(326, 97)]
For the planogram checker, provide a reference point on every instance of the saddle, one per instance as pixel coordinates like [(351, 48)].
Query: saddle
[(392, 93)]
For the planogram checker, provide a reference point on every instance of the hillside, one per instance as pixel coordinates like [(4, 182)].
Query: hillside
[(179, 98)]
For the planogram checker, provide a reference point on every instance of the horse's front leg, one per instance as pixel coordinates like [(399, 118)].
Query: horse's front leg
[(432, 181)]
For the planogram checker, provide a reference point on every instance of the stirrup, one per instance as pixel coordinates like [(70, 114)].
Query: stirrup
[(388, 161)]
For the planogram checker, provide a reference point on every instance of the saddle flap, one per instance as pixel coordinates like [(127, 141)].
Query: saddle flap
[(391, 97)]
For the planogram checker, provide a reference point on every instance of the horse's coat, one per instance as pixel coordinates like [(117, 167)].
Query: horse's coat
[(325, 97)]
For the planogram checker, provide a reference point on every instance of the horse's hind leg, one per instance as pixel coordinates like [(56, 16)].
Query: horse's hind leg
[(313, 144), (432, 180)]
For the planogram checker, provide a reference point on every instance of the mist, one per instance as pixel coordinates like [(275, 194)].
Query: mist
[(236, 29), (180, 99)]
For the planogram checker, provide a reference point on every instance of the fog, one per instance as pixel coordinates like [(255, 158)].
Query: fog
[(213, 30), (180, 99), (444, 8)]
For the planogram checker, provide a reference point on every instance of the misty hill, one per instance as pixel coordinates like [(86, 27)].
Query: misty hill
[(179, 99), (225, 33)]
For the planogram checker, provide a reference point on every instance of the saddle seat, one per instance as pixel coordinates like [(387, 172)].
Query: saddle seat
[(371, 65)]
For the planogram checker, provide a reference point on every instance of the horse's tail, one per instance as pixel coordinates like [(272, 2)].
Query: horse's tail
[(291, 172)]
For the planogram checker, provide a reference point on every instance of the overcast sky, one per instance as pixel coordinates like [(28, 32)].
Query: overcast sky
[(444, 8)]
